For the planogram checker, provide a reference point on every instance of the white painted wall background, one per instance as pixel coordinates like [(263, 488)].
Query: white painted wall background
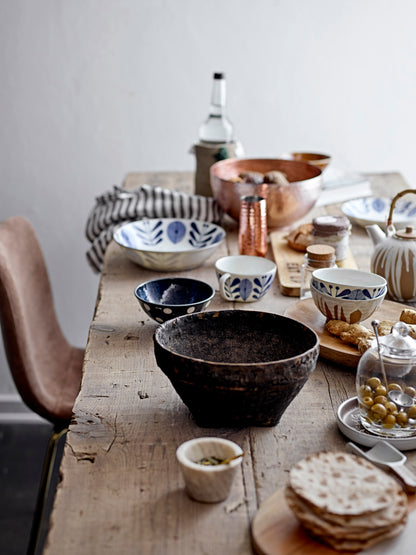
[(93, 89)]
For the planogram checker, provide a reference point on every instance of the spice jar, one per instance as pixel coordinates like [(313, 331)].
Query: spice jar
[(334, 231), (386, 385), (317, 256)]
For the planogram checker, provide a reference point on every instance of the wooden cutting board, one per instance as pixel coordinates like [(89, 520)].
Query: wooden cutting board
[(331, 347), (276, 531), (289, 263)]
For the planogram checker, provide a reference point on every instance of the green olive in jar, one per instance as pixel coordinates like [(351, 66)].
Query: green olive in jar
[(379, 410), (394, 386), (389, 421), (411, 412), (410, 391), (402, 418), (373, 382)]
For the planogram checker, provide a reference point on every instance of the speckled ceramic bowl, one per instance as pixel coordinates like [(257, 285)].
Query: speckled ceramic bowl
[(348, 283), (169, 244), (236, 367), (348, 310), (167, 298)]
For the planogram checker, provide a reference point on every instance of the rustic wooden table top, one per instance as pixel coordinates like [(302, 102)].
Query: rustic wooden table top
[(121, 490)]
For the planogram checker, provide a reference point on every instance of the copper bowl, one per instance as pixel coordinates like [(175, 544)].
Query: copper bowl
[(285, 203)]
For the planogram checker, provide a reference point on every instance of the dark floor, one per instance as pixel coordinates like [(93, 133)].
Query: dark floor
[(22, 450)]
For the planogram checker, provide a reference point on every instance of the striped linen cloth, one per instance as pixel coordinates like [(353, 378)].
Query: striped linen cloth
[(119, 206)]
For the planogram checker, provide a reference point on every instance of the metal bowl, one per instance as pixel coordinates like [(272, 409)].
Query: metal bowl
[(285, 203), (236, 367)]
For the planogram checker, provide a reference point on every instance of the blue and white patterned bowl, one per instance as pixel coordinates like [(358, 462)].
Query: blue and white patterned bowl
[(244, 278), (169, 244), (375, 210), (167, 298), (348, 310), (348, 283)]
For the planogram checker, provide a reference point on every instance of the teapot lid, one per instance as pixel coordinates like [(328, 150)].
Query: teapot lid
[(399, 343), (408, 233)]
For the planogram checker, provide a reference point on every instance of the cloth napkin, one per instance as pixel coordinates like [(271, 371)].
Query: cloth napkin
[(119, 206)]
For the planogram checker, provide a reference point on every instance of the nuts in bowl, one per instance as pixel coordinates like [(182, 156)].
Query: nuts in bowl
[(291, 188)]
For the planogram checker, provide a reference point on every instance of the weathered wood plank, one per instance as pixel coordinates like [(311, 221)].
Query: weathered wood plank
[(121, 489)]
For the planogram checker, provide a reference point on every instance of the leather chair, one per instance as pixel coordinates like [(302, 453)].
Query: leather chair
[(46, 369)]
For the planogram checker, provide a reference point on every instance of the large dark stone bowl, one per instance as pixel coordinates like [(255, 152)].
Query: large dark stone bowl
[(236, 367)]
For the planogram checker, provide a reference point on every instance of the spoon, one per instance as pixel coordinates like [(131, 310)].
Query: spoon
[(386, 456), (401, 399)]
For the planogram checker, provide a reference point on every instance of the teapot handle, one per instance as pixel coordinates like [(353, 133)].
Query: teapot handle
[(393, 204)]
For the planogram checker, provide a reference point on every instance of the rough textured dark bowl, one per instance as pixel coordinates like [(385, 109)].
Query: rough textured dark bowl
[(285, 203), (236, 367), (166, 298)]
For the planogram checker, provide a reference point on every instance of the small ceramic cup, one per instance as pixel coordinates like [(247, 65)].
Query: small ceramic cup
[(244, 278), (208, 483)]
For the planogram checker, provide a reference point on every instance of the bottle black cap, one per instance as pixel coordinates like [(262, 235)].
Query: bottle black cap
[(219, 76)]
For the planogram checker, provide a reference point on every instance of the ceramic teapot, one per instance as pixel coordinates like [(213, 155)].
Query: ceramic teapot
[(394, 256)]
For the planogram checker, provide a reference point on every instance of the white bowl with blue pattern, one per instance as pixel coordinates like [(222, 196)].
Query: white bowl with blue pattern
[(348, 283), (169, 244), (244, 278), (375, 210)]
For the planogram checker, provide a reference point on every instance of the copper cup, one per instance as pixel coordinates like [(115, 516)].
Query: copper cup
[(252, 236)]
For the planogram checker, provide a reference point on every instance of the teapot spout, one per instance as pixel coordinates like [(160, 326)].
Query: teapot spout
[(376, 233)]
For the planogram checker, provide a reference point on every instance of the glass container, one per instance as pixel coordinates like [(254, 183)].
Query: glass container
[(386, 385)]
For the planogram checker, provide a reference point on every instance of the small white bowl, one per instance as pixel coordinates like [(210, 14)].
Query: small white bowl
[(208, 483), (348, 310), (169, 244), (348, 283)]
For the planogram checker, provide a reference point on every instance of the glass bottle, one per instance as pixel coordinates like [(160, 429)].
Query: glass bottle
[(317, 256), (217, 128)]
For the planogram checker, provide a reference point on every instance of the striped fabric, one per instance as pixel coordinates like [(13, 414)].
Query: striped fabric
[(119, 206)]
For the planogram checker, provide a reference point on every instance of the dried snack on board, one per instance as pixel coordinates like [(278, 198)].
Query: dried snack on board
[(256, 178), (357, 334), (408, 316), (345, 501), (301, 237)]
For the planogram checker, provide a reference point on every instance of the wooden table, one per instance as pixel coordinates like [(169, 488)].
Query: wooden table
[(121, 490)]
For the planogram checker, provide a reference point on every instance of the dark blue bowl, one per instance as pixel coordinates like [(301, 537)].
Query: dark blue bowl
[(166, 298)]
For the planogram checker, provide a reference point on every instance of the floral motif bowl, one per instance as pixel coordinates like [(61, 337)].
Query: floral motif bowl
[(347, 283), (166, 298), (169, 244), (348, 310)]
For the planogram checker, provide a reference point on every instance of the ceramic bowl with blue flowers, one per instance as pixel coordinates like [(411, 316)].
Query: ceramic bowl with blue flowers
[(375, 210), (244, 278), (169, 244), (348, 283), (166, 298)]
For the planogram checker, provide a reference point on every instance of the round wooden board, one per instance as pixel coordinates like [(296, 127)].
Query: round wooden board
[(331, 347), (275, 530)]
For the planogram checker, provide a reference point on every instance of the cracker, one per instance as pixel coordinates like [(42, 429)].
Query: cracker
[(342, 484)]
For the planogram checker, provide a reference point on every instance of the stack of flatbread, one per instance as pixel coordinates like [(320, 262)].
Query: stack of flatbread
[(345, 501)]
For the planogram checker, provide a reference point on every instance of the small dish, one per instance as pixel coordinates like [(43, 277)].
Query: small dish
[(166, 298), (374, 210), (169, 244), (209, 483), (349, 423)]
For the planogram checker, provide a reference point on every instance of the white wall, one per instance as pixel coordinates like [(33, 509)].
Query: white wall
[(93, 89)]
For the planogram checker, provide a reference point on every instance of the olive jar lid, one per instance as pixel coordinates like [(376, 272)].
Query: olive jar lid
[(399, 343)]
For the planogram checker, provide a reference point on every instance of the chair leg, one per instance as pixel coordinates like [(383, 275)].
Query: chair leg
[(45, 483)]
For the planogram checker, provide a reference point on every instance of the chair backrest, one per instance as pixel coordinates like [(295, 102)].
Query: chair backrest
[(45, 367)]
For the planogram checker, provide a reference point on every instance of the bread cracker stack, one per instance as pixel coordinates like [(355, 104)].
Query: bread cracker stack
[(345, 501)]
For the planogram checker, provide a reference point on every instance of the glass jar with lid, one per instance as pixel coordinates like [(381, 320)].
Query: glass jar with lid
[(386, 385)]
